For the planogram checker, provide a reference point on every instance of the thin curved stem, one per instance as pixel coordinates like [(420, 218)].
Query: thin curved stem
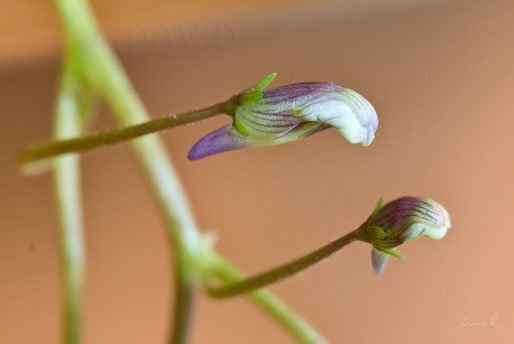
[(276, 274), (79, 144)]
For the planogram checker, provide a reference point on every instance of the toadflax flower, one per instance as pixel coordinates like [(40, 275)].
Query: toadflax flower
[(288, 113), (399, 221)]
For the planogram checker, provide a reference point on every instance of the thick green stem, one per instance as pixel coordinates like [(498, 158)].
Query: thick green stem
[(79, 144), (67, 190), (276, 274), (102, 70), (295, 325), (100, 67)]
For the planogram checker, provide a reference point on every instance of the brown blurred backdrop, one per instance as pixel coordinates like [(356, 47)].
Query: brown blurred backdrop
[(440, 75)]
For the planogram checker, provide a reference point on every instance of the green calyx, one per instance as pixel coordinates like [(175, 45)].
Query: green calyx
[(373, 235), (369, 233), (248, 97)]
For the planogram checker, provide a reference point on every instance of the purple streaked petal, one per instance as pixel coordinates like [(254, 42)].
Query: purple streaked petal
[(302, 130), (294, 96), (265, 126), (299, 90), (411, 217)]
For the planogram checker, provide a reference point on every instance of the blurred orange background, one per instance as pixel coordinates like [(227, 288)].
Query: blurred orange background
[(440, 75)]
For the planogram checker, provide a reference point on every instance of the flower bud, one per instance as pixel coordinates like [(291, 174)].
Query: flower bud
[(289, 113), (399, 221)]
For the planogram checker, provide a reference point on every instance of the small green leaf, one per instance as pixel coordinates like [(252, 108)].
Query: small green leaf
[(373, 215), (263, 83)]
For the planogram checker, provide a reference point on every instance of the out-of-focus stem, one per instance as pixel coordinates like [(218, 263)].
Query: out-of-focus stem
[(68, 123), (294, 324), (100, 67)]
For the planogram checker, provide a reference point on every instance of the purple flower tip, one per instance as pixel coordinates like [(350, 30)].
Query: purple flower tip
[(221, 140)]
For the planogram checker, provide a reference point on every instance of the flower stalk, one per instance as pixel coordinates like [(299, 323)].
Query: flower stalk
[(279, 273), (106, 138)]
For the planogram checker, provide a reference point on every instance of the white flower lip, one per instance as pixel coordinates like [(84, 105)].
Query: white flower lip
[(347, 111)]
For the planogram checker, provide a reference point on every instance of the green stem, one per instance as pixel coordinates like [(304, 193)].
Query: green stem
[(79, 144), (276, 274), (295, 325), (67, 189)]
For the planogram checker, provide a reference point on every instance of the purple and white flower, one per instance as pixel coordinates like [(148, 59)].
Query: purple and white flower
[(402, 220), (290, 113)]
